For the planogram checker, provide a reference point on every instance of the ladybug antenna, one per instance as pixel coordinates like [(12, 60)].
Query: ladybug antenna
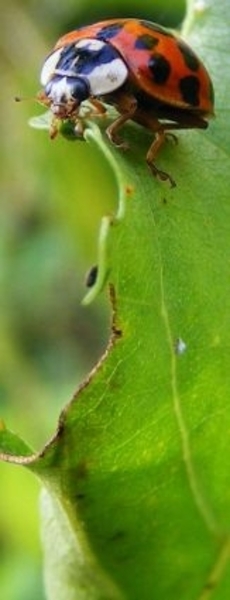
[(41, 98), (22, 98)]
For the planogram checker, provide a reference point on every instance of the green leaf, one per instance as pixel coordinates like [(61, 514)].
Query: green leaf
[(13, 448), (137, 473)]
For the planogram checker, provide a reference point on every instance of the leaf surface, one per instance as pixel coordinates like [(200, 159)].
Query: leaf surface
[(137, 474)]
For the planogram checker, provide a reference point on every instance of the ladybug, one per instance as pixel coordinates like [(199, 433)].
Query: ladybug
[(147, 73)]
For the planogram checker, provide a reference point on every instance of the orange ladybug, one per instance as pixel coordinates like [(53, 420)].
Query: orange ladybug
[(147, 73)]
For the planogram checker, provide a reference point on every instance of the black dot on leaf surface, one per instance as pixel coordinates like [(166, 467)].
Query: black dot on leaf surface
[(91, 276)]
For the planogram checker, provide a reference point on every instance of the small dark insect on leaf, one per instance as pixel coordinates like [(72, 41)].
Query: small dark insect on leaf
[(91, 276)]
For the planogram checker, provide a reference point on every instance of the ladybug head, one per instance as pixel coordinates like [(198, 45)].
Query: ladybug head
[(63, 88), (64, 94)]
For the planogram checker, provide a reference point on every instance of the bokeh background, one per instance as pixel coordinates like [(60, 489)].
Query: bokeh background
[(52, 197)]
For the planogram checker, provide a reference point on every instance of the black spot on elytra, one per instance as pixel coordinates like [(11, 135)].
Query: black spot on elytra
[(156, 27), (190, 87), (160, 68), (190, 59), (146, 42), (109, 31)]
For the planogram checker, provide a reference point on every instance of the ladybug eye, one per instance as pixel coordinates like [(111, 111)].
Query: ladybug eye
[(79, 89)]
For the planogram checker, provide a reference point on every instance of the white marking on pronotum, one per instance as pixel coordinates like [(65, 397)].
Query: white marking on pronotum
[(49, 67), (90, 44), (107, 77), (103, 79)]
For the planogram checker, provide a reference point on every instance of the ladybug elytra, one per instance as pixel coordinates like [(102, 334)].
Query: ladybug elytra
[(147, 73)]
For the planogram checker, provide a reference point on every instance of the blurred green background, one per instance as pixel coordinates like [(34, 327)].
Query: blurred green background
[(53, 195)]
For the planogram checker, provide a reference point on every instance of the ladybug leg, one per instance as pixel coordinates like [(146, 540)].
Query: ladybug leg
[(127, 105), (171, 137), (100, 109), (159, 140), (53, 129), (162, 133)]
